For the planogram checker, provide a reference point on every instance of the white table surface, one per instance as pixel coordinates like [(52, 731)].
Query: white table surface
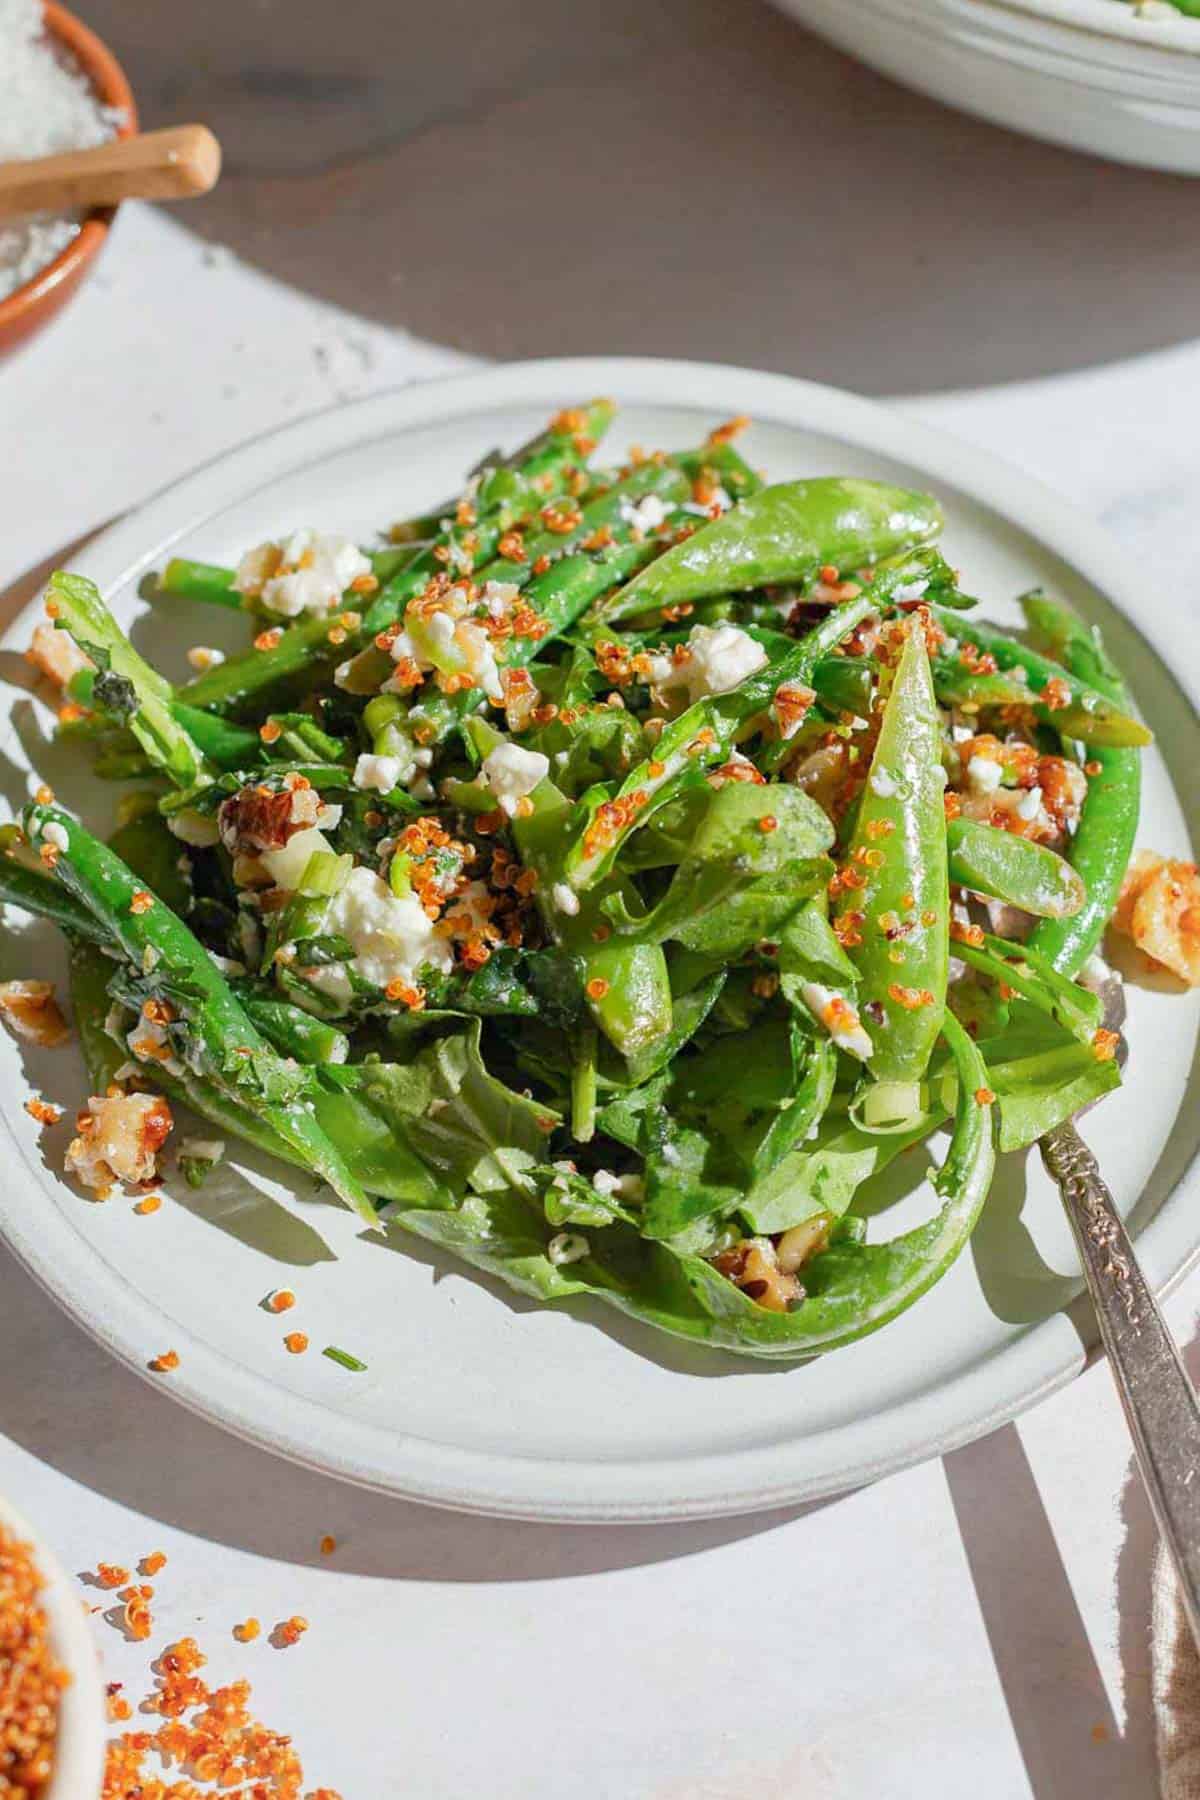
[(975, 1625)]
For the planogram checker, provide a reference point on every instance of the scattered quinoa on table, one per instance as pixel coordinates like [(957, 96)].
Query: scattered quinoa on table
[(604, 875)]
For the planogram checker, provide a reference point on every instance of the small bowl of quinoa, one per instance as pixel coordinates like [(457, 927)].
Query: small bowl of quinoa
[(52, 1718), (63, 90)]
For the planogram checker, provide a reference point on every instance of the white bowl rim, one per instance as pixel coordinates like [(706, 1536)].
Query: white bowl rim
[(1106, 19), (82, 1733)]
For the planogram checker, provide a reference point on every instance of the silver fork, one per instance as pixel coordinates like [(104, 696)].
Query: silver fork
[(1159, 1400)]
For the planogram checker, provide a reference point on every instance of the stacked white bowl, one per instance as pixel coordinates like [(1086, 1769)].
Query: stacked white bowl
[(1094, 74)]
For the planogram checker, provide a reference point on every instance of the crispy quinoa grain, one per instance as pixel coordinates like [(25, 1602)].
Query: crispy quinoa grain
[(31, 1681)]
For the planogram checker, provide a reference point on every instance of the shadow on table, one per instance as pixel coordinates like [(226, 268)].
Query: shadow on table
[(1069, 1737), (98, 1423), (692, 178)]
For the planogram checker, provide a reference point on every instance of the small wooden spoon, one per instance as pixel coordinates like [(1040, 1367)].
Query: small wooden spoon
[(157, 165)]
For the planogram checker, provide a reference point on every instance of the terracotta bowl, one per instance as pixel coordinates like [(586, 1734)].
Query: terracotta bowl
[(33, 305)]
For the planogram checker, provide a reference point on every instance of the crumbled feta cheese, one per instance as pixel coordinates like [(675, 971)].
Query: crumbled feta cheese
[(1030, 804), (660, 670), (838, 1018), (883, 784), (55, 834), (499, 597), (392, 935), (984, 775), (719, 658), (703, 510), (382, 773), (565, 898), (646, 514), (149, 1041), (567, 1247), (962, 734), (201, 658), (626, 1187), (512, 772), (307, 572)]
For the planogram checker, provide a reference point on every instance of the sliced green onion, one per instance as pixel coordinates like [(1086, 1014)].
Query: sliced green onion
[(399, 871), (325, 874), (382, 711), (889, 1106), (344, 1358)]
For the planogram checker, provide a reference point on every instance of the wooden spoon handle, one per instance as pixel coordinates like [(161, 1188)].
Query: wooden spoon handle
[(158, 165)]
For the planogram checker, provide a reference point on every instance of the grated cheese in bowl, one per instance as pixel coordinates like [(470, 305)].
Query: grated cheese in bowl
[(49, 106)]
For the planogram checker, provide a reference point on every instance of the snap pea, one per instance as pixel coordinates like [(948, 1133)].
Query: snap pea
[(1014, 869), (1102, 843), (291, 1030), (699, 738), (893, 906), (627, 986), (783, 533), (1085, 712), (227, 1049)]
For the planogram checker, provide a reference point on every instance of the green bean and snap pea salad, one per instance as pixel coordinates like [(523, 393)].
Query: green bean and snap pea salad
[(604, 877)]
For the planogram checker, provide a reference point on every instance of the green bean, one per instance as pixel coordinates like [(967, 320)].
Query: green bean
[(241, 679), (291, 1030), (210, 583), (894, 903), (1010, 868), (33, 890), (225, 1047), (559, 597), (1102, 844), (1087, 713), (783, 533)]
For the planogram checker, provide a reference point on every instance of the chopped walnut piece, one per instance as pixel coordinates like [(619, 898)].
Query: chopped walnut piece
[(34, 1014), (120, 1136), (1159, 908)]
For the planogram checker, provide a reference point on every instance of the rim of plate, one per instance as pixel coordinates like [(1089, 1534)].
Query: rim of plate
[(222, 1390), (1091, 18)]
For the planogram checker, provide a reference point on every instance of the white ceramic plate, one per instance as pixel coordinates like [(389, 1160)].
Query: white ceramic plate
[(1085, 73), (79, 1752), (475, 1398)]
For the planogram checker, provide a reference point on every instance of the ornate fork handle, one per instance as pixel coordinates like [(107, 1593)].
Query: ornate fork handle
[(1159, 1400)]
